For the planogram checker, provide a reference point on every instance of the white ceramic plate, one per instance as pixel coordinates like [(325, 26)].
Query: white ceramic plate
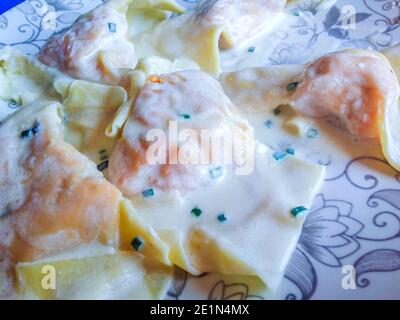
[(354, 226)]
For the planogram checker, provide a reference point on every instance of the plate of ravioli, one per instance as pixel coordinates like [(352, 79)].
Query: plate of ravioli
[(218, 149)]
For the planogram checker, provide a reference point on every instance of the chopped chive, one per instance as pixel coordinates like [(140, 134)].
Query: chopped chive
[(221, 217), (102, 165), (112, 27), (216, 172), (312, 133), (148, 193), (296, 211), (185, 116), (26, 133), (137, 243), (279, 155), (290, 151), (296, 13), (277, 110), (251, 49), (196, 212), (31, 131), (268, 123), (292, 86)]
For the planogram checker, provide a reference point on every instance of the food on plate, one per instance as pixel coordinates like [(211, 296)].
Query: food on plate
[(356, 89), (239, 19), (97, 46), (127, 152)]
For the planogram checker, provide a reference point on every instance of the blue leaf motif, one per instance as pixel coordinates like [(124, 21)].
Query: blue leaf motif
[(361, 16), (332, 17), (391, 196), (380, 260), (354, 227), (302, 273), (222, 291), (344, 207), (234, 291), (63, 5), (3, 22)]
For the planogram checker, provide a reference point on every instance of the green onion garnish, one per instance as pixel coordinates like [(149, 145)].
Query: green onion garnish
[(137, 243), (251, 49), (279, 155), (221, 217), (312, 133), (277, 110), (196, 212), (112, 27), (268, 123), (292, 86), (102, 151), (185, 116), (290, 151), (148, 193), (296, 13), (32, 131), (102, 165), (216, 172), (296, 211)]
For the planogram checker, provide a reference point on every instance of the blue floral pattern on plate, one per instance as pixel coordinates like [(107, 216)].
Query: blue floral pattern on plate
[(356, 220)]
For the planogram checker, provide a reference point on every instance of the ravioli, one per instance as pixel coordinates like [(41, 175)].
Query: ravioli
[(240, 19), (214, 112), (97, 47), (360, 89), (52, 198), (112, 275), (89, 108), (23, 79), (356, 89), (189, 208), (260, 89), (134, 80)]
